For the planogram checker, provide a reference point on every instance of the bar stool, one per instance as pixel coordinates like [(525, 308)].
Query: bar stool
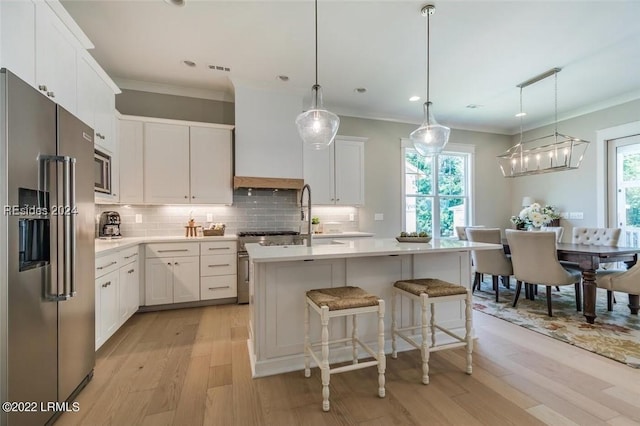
[(428, 292), (339, 302)]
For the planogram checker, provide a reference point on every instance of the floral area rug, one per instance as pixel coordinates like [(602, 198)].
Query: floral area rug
[(615, 334)]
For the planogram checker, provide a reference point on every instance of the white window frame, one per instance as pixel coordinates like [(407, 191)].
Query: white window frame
[(450, 148)]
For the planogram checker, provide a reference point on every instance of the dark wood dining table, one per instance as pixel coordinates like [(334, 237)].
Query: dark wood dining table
[(588, 259)]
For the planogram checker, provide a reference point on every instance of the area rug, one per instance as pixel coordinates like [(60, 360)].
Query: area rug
[(615, 334)]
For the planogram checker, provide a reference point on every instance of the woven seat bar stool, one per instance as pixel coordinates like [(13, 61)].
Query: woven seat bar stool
[(339, 302), (427, 292)]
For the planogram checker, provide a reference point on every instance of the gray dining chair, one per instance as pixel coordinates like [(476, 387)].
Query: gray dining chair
[(623, 281), (493, 262), (535, 261)]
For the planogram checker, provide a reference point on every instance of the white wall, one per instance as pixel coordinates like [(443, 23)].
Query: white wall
[(575, 190), (383, 179)]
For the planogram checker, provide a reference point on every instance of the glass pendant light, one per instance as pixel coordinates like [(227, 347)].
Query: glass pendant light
[(431, 137), (317, 126)]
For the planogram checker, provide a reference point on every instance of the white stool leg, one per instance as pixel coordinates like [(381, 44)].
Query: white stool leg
[(394, 293), (468, 323), (354, 336), (382, 362), (307, 360), (424, 302), (324, 368), (433, 324)]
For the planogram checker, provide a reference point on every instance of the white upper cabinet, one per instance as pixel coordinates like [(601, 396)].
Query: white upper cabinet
[(211, 171), (55, 58), (166, 163), (17, 38), (183, 162), (96, 103), (336, 174), (130, 147)]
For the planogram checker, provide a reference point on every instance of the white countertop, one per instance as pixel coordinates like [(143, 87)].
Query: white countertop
[(360, 248), (349, 234), (104, 247)]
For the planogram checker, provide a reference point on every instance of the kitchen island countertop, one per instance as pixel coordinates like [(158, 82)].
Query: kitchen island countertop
[(365, 247)]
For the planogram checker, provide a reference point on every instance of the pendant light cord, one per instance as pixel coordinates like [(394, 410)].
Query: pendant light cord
[(556, 101), (316, 19), (521, 115), (428, 54)]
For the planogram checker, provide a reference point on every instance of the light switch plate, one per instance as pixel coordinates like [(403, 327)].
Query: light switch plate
[(352, 217), (138, 218), (564, 215), (209, 217), (378, 216)]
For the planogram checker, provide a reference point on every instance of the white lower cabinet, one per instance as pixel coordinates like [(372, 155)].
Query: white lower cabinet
[(117, 291), (172, 273), (218, 270), (106, 306)]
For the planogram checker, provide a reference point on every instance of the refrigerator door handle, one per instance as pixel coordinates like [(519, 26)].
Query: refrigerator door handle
[(67, 211)]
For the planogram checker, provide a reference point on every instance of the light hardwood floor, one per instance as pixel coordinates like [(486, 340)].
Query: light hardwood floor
[(191, 367)]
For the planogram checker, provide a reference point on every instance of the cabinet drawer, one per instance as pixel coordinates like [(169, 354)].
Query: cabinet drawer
[(172, 250), (218, 247), (128, 255), (217, 287), (106, 264), (221, 264)]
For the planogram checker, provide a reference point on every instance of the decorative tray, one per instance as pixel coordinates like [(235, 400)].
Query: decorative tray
[(413, 239)]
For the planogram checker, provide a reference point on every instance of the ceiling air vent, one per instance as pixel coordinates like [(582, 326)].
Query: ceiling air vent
[(219, 68)]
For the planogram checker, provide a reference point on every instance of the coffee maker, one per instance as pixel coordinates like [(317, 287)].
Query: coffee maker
[(109, 225)]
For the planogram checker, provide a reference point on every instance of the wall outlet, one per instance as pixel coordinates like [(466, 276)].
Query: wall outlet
[(352, 217), (209, 217), (138, 218), (378, 216)]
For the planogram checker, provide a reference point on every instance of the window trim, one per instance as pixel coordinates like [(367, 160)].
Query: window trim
[(450, 148)]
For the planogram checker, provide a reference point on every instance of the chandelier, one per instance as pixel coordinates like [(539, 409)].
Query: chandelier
[(552, 153)]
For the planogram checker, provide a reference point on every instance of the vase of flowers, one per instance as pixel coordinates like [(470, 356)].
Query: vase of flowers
[(535, 216)]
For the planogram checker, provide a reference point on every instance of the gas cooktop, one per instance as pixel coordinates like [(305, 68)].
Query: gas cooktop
[(266, 233)]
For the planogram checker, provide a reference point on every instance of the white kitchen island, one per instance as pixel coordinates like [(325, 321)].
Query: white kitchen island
[(281, 275)]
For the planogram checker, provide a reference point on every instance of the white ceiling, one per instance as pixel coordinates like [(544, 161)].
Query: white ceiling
[(480, 51)]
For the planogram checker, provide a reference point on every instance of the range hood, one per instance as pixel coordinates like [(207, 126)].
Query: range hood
[(267, 182)]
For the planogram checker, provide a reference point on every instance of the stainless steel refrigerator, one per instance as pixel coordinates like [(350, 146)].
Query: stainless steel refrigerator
[(47, 294)]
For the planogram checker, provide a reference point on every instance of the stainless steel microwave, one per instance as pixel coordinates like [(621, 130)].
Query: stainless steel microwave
[(102, 167)]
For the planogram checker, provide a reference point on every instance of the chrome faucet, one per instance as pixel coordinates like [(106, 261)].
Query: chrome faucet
[(308, 188)]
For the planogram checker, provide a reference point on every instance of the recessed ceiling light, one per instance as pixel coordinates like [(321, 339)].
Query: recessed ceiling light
[(219, 68), (283, 77), (521, 114), (176, 2), (414, 98), (360, 89), (473, 106), (189, 63)]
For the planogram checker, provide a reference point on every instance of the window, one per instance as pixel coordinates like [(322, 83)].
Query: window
[(436, 189), (624, 188)]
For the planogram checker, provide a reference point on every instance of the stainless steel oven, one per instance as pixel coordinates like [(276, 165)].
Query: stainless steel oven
[(266, 238), (102, 172)]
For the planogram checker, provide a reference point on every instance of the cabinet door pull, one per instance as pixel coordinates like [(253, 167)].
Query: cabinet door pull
[(131, 271), (129, 257), (219, 248), (220, 264), (172, 250), (107, 284), (106, 266), (219, 288)]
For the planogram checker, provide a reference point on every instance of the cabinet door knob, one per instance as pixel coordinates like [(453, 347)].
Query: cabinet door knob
[(51, 94), (176, 263), (186, 196), (42, 87), (169, 263), (193, 196)]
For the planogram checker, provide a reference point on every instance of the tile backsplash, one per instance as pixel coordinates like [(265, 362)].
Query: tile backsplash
[(254, 210)]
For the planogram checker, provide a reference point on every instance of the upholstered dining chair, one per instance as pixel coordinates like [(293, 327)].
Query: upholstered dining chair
[(624, 281), (559, 230), (535, 261), (596, 236), (494, 262)]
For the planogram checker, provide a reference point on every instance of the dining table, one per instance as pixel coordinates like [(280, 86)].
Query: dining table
[(588, 259)]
